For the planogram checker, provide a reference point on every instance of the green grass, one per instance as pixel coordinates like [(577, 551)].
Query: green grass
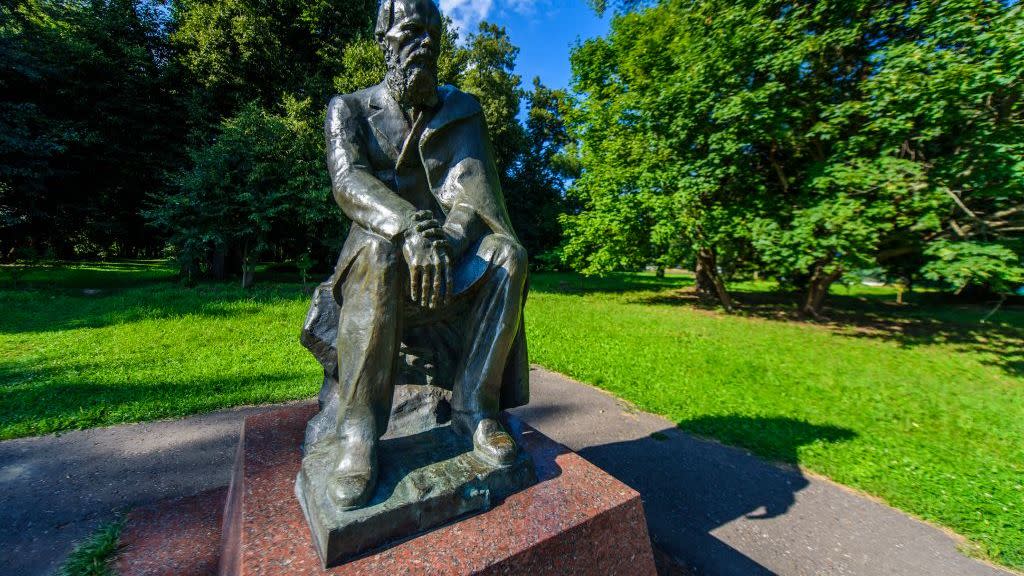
[(146, 349), (92, 557), (927, 414), (920, 405)]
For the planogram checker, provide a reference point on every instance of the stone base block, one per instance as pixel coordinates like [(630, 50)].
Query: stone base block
[(426, 480), (576, 520), (176, 537)]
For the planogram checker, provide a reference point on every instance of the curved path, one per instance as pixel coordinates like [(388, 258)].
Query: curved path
[(710, 508)]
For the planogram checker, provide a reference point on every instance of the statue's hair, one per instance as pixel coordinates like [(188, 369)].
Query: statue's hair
[(386, 17)]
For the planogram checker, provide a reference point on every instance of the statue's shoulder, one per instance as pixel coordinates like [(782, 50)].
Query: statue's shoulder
[(463, 103), (353, 104)]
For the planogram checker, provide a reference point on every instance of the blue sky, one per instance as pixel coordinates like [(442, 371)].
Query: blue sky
[(544, 31)]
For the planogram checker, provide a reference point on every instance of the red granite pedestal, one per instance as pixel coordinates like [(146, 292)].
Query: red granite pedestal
[(576, 520)]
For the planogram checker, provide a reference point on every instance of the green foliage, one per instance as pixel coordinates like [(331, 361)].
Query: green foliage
[(203, 116), (965, 263), (363, 65), (801, 139), (238, 51), (535, 191), (87, 124), (92, 557), (256, 187), (491, 59)]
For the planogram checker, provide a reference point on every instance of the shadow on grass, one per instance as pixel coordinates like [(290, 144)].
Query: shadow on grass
[(933, 320), (692, 487), (42, 400), (52, 310), (85, 275), (576, 284)]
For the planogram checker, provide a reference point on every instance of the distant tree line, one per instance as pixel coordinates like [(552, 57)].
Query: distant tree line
[(131, 128), (803, 140)]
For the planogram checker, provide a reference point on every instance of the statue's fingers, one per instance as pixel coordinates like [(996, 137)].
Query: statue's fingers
[(414, 283), (433, 234), (427, 286), (428, 225), (439, 276), (421, 215)]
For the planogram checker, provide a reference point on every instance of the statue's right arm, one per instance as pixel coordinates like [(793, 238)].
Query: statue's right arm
[(363, 198)]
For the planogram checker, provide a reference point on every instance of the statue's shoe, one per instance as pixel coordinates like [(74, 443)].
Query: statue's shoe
[(352, 483), (351, 491), (492, 444)]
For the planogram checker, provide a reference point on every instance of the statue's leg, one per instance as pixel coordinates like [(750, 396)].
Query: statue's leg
[(491, 327), (368, 339)]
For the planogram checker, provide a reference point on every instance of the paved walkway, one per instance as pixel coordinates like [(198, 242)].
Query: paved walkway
[(713, 509)]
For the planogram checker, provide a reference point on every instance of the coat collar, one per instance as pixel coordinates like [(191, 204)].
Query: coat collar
[(388, 121)]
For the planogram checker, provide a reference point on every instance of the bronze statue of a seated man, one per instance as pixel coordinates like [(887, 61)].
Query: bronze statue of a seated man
[(430, 243)]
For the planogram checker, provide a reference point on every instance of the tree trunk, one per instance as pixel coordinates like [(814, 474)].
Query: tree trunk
[(709, 282), (817, 290), (247, 268), (218, 262)]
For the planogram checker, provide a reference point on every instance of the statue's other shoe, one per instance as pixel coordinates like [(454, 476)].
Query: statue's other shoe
[(492, 444), (351, 491), (353, 481)]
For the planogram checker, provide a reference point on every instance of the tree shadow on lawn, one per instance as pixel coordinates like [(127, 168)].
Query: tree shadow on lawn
[(85, 275), (692, 486), (877, 317), (619, 283), (56, 309), (44, 400)]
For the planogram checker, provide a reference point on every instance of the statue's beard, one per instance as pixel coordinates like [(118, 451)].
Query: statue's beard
[(413, 83)]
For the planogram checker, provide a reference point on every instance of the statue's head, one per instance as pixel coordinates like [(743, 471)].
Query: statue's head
[(409, 32)]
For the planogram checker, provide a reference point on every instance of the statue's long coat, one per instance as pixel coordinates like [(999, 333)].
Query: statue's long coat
[(379, 180)]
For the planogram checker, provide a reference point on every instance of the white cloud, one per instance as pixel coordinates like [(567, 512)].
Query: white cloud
[(468, 13)]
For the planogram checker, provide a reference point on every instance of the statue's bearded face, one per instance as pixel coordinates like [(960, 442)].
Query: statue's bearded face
[(411, 48)]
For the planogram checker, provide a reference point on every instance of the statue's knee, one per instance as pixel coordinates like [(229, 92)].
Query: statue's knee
[(374, 270), (512, 257), (382, 255)]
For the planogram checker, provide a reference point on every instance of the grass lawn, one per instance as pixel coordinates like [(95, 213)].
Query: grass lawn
[(920, 405)]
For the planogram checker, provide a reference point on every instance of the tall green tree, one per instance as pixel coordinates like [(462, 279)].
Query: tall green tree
[(490, 76), (255, 72), (88, 124), (535, 191), (807, 139), (258, 187), (239, 51)]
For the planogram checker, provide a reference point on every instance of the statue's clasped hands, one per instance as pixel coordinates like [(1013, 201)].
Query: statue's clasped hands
[(428, 255)]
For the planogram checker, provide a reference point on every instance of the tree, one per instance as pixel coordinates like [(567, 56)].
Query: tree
[(87, 124), (239, 51), (537, 186), (260, 177), (658, 184), (489, 75), (805, 139)]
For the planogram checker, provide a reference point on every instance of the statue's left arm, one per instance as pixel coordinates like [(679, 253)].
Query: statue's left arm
[(479, 205)]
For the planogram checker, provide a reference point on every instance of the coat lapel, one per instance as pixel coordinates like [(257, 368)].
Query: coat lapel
[(386, 121), (454, 106)]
